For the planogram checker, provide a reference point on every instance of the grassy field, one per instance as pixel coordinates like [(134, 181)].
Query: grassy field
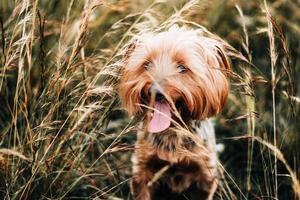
[(63, 133)]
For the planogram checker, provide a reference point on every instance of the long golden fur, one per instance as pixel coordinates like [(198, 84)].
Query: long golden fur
[(190, 70)]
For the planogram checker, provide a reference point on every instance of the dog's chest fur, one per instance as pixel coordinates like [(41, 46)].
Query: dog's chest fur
[(188, 159), (171, 142)]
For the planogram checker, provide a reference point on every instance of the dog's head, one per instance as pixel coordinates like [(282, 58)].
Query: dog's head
[(177, 69)]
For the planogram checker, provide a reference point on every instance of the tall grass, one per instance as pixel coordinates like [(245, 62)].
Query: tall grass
[(63, 134)]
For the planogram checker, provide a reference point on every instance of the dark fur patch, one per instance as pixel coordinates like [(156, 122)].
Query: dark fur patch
[(184, 167), (154, 164), (163, 192)]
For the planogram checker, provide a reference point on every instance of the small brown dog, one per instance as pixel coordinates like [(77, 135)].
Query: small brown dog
[(176, 80)]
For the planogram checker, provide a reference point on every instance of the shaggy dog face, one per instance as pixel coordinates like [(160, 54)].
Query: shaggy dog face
[(184, 68)]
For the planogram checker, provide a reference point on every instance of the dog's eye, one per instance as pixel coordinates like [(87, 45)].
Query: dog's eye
[(147, 65), (181, 68)]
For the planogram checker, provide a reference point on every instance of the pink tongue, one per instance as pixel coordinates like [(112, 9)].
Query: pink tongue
[(161, 119)]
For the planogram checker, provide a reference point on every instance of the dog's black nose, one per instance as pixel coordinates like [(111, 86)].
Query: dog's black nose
[(155, 91), (159, 96)]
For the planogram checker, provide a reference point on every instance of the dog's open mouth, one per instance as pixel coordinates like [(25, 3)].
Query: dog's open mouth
[(161, 118)]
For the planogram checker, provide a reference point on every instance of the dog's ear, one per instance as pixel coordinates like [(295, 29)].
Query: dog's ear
[(225, 68), (129, 99), (215, 87)]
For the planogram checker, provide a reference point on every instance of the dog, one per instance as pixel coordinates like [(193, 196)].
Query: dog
[(175, 81)]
